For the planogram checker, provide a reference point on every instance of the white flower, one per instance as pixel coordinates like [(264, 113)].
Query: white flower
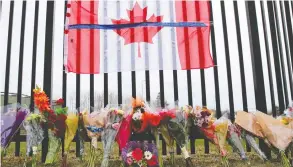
[(137, 116), (140, 163), (148, 155), (129, 154), (35, 149)]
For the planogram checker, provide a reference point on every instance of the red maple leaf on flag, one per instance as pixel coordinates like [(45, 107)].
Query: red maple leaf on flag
[(138, 34)]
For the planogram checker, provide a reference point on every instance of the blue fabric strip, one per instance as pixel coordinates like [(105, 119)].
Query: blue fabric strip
[(133, 25)]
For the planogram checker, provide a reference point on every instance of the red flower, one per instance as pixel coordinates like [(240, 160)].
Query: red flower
[(137, 154), (60, 101), (152, 161), (166, 115)]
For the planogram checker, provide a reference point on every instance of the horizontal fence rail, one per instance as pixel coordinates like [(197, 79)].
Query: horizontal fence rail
[(252, 48)]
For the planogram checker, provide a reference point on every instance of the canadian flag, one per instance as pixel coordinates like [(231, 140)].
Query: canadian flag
[(115, 36)]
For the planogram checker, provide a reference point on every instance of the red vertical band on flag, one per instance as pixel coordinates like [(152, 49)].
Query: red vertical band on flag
[(199, 33), (92, 42), (78, 21), (83, 44), (191, 39)]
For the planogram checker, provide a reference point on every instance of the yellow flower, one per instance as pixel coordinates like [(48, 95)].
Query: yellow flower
[(121, 112), (285, 120)]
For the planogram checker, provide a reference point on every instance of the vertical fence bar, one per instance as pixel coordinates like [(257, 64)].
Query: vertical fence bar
[(175, 78), (258, 77), (106, 91), (281, 54), (216, 74), (290, 36), (187, 52), (64, 75), (119, 76), (276, 56), (202, 73), (161, 73), (268, 60), (8, 54), (289, 65), (147, 72), (48, 67), (229, 77), (241, 63), (20, 69), (92, 54), (34, 56), (132, 37), (78, 58)]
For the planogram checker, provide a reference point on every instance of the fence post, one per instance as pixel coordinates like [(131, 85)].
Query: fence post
[(8, 54), (286, 34), (258, 77), (20, 69), (48, 67), (276, 56), (216, 74)]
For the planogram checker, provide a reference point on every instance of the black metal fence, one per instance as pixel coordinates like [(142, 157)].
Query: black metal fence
[(263, 26)]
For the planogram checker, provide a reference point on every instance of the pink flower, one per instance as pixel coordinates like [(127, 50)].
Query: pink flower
[(198, 114), (129, 161), (115, 126)]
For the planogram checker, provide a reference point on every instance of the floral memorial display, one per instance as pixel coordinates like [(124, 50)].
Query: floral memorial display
[(140, 154)]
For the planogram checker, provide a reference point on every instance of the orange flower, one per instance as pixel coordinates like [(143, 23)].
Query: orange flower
[(41, 100)]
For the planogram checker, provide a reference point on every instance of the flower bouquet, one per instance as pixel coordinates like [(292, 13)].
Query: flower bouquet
[(94, 124), (56, 133), (82, 134), (177, 130), (113, 122), (71, 128), (221, 130), (140, 154), (214, 130), (271, 130), (12, 117), (249, 127), (276, 134), (53, 120), (34, 134), (234, 139)]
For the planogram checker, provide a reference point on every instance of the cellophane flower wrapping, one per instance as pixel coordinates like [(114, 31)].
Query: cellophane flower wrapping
[(54, 147), (276, 133), (34, 134), (234, 139), (221, 130), (252, 143), (112, 125), (177, 131), (71, 128), (12, 117), (140, 154), (94, 123)]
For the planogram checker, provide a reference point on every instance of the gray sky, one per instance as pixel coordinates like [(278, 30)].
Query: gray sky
[(140, 76)]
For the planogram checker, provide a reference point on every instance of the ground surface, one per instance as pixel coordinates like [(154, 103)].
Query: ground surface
[(199, 160)]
